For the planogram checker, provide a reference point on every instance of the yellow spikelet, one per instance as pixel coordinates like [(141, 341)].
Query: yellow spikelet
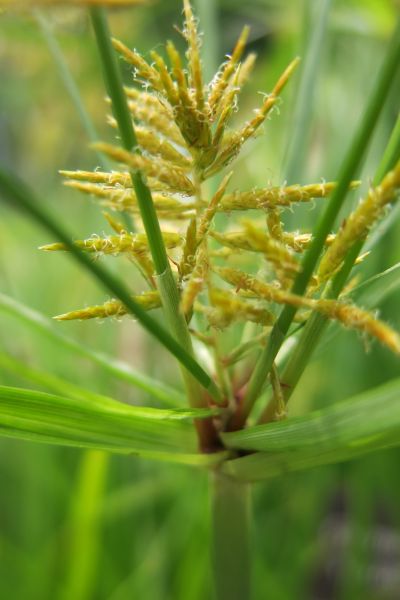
[(157, 121), (227, 108), (140, 257), (362, 320), (168, 86), (210, 211), (221, 81), (196, 281), (273, 250), (178, 72), (150, 111), (125, 199), (114, 224), (116, 244), (115, 197), (239, 138), (193, 55), (269, 292), (152, 143), (172, 175), (113, 178), (112, 308), (224, 253), (255, 240), (187, 111), (274, 224), (360, 221), (228, 308), (193, 112), (142, 69), (272, 197), (187, 116), (236, 240), (347, 314), (301, 241), (149, 101), (246, 68), (122, 181)]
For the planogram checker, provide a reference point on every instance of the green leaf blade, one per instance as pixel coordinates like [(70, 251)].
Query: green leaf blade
[(370, 421), (106, 425)]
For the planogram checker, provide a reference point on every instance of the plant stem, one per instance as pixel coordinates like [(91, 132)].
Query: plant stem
[(349, 168), (165, 279), (231, 538), (85, 526)]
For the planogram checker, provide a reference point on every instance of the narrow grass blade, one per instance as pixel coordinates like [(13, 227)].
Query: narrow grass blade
[(17, 192), (35, 320), (102, 424), (346, 430)]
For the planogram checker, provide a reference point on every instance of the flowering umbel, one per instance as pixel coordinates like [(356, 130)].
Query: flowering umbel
[(183, 131)]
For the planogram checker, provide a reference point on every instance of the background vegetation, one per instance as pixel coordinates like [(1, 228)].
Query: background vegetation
[(80, 525)]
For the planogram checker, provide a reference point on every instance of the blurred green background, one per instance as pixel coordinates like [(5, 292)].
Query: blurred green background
[(77, 525)]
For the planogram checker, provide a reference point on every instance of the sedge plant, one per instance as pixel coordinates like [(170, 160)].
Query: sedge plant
[(221, 265)]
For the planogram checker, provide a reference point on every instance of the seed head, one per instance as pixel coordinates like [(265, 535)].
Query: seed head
[(184, 134)]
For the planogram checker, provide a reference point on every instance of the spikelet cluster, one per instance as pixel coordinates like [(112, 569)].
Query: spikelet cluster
[(241, 271)]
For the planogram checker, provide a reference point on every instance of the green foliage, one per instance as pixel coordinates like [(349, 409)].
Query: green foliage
[(101, 423), (204, 329), (340, 432)]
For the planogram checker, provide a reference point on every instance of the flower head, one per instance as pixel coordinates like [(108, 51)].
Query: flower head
[(184, 135)]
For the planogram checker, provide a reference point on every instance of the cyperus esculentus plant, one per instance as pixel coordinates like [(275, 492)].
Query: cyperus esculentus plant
[(183, 134), (210, 274)]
